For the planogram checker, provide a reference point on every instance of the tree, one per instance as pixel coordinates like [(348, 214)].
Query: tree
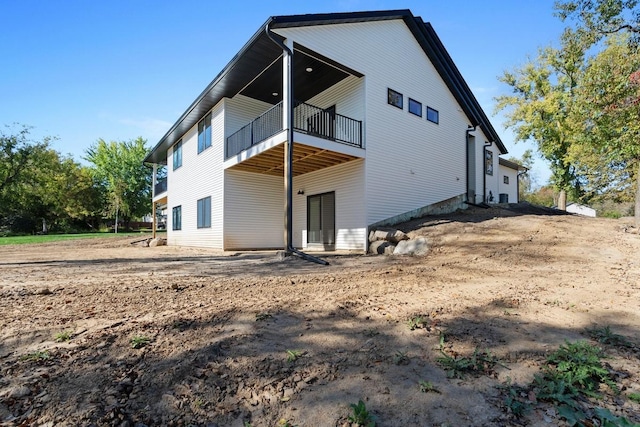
[(610, 94), (539, 107), (526, 180), (598, 19), (118, 169), (609, 113)]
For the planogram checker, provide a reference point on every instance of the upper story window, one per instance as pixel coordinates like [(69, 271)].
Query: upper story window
[(204, 133), (505, 179), (415, 107), (394, 98), (488, 162), (177, 155), (433, 115)]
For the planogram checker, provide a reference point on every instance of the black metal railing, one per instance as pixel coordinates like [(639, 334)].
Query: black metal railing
[(308, 119), (267, 124), (327, 124), (161, 186)]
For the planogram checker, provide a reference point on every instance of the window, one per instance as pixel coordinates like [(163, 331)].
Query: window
[(488, 162), (505, 179), (415, 107), (204, 133), (433, 115), (204, 213), (177, 155), (177, 218), (394, 98)]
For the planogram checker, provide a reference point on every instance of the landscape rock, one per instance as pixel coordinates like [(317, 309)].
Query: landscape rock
[(388, 234), (381, 247), (158, 241), (417, 247)]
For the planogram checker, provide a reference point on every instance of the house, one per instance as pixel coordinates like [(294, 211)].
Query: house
[(579, 209), (382, 126)]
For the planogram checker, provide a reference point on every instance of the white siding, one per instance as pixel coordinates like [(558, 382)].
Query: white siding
[(347, 181), (411, 162), (510, 189), (201, 175), (240, 111), (347, 96), (254, 211)]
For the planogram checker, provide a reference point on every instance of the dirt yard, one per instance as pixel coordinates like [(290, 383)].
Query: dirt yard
[(246, 340)]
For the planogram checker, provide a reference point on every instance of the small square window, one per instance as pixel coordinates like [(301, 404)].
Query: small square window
[(394, 98), (505, 179), (415, 107), (433, 115)]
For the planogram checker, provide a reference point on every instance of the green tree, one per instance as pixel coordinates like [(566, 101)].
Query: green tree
[(540, 104), (525, 178), (20, 159), (118, 169), (609, 94), (609, 99)]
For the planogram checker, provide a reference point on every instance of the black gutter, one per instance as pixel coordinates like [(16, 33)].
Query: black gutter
[(467, 132), (288, 161)]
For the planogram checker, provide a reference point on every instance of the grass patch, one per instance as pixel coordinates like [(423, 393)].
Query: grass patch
[(634, 397), (606, 336), (293, 355), (62, 336), (36, 356), (361, 416), (139, 341), (427, 387), (34, 240), (479, 363)]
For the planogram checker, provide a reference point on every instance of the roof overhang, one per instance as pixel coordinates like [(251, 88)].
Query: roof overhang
[(255, 68)]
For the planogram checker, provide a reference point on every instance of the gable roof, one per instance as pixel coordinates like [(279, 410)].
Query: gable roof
[(259, 52)]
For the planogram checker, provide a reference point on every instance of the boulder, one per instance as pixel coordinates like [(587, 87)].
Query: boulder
[(417, 247), (390, 235), (158, 241), (381, 247)]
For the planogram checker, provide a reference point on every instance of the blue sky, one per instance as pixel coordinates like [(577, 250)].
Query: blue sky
[(82, 70)]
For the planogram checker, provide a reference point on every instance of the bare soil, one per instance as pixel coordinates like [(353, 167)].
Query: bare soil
[(516, 283)]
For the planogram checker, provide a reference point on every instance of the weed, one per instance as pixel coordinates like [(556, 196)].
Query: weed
[(427, 386), (575, 368), (634, 397), (139, 341), (401, 358), (361, 415), (261, 317), (606, 336), (371, 332), (284, 423), (62, 336), (36, 356), (418, 322), (480, 362), (293, 355), (514, 402)]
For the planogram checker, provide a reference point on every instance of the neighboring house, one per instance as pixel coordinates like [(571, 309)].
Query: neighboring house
[(508, 184), (579, 209), (384, 128)]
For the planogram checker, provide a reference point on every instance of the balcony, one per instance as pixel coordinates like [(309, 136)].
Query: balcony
[(160, 187), (308, 119)]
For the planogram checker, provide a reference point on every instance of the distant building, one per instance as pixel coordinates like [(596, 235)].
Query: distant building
[(579, 209)]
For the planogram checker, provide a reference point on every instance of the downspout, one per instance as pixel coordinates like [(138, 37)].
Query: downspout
[(468, 131), (288, 174), (484, 168)]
